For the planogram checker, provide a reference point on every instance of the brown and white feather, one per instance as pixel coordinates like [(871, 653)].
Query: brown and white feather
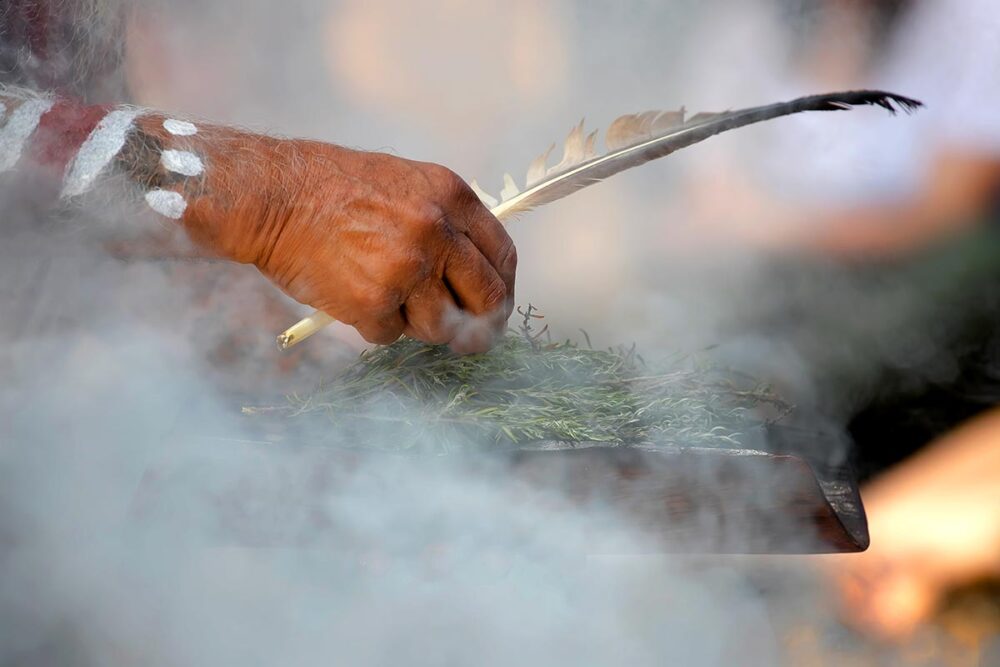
[(630, 141), (636, 139)]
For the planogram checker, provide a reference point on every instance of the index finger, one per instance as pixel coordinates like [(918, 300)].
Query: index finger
[(489, 236)]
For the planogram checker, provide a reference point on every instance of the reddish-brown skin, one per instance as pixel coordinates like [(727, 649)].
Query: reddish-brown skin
[(388, 245), (61, 131), (385, 244)]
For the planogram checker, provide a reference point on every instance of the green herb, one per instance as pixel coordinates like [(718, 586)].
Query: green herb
[(409, 395)]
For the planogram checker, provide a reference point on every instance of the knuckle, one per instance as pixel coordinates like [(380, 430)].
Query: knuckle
[(402, 269), (435, 335), (434, 331), (495, 295), (377, 302), (393, 330), (379, 336), (507, 256), (427, 212), (472, 340), (464, 197), (454, 189), (429, 324), (380, 330), (370, 335), (428, 219), (443, 178)]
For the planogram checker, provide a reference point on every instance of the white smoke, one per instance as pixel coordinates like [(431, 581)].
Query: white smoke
[(143, 521)]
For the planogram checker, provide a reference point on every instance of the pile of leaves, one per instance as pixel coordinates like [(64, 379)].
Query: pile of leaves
[(527, 390)]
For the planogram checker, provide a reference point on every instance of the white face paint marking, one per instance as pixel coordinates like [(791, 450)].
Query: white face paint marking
[(167, 203), (98, 150), (180, 128), (20, 126), (182, 162)]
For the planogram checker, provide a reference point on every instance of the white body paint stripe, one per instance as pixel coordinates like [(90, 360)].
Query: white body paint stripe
[(167, 203), (182, 162), (103, 144), (180, 128), (20, 126)]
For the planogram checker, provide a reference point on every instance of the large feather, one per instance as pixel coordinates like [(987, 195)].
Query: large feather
[(631, 141), (638, 138)]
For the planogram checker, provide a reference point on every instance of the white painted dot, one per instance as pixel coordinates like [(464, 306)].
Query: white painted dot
[(180, 128), (182, 162), (167, 203)]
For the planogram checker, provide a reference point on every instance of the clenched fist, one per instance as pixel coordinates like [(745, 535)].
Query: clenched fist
[(385, 244)]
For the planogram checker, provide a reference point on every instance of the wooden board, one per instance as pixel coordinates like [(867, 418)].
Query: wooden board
[(712, 500)]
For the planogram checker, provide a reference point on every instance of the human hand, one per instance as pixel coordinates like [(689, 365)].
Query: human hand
[(387, 245)]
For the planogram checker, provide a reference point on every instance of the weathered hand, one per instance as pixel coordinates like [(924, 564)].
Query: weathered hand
[(387, 245)]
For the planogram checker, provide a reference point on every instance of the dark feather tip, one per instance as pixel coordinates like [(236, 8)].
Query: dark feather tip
[(888, 101), (891, 102)]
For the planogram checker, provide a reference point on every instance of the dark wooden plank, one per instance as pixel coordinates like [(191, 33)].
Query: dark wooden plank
[(711, 500), (685, 500)]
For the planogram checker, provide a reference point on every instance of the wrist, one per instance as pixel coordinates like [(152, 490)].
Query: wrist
[(241, 206), (277, 188), (234, 192), (200, 176)]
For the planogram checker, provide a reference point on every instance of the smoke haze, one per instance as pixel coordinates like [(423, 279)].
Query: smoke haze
[(144, 521)]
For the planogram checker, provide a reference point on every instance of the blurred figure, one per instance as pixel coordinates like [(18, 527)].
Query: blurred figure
[(878, 190), (870, 186), (935, 525)]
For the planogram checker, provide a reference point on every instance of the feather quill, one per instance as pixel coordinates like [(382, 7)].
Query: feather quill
[(636, 139), (631, 141)]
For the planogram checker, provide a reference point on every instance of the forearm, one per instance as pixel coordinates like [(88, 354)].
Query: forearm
[(365, 237), (191, 173)]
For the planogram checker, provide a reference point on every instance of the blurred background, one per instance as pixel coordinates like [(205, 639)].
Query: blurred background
[(852, 259)]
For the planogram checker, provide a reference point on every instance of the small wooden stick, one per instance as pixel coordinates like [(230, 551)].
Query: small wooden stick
[(303, 329)]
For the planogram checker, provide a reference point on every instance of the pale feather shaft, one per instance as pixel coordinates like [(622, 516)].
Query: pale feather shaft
[(635, 139), (631, 140)]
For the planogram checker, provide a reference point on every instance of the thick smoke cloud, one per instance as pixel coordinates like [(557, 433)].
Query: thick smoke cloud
[(144, 521)]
